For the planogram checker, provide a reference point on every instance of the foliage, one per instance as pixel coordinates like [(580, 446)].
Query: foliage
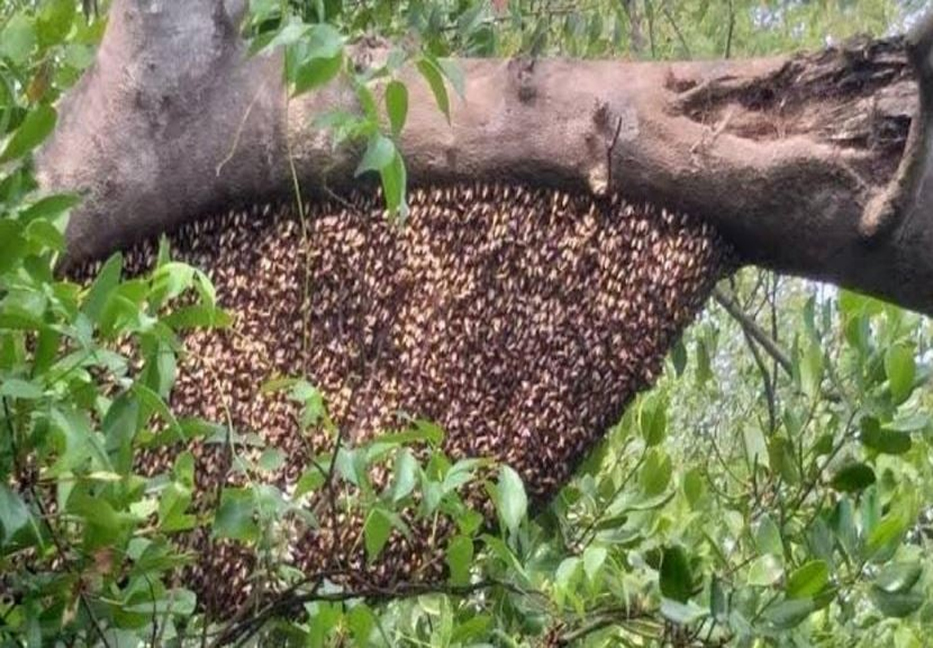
[(761, 494)]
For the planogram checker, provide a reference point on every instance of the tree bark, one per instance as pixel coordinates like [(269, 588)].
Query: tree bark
[(812, 164)]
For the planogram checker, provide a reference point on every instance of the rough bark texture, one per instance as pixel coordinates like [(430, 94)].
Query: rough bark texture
[(796, 160)]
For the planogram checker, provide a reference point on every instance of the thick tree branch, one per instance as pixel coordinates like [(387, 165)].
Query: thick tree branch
[(797, 160)]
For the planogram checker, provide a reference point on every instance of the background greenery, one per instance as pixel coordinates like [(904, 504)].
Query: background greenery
[(773, 489)]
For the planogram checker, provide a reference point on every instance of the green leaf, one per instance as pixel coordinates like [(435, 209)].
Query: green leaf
[(421, 431), (120, 424), (44, 233), (900, 368), (290, 34), (811, 370), (12, 245), (54, 22), (397, 105), (379, 154), (22, 389), (768, 537), (694, 486), (154, 402), (197, 316), (566, 576), (470, 631), (765, 571), (898, 578), (676, 578), (106, 282), (681, 613), (102, 523), (512, 501), (808, 580), (405, 476), (432, 74), (653, 420), (394, 179), (897, 605), (310, 480), (593, 559), (323, 41), (17, 39), (459, 559), (718, 602), (853, 478), (656, 472), (271, 459), (13, 512), (376, 532), (361, 621), (234, 517), (883, 440), (315, 73), (170, 280), (791, 613), (34, 129), (454, 73), (886, 536), (679, 357)]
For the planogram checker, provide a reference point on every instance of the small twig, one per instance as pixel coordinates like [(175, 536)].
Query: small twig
[(751, 327), (609, 151), (293, 601), (618, 491), (601, 621), (766, 379), (730, 30), (239, 132), (680, 36)]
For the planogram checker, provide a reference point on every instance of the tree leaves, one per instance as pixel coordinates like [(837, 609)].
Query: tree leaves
[(511, 500), (808, 580), (765, 571), (434, 76), (656, 473), (18, 39), (35, 128), (460, 559), (376, 532), (234, 518), (898, 577), (900, 368), (13, 513), (882, 439), (853, 478), (397, 105), (676, 577), (380, 152)]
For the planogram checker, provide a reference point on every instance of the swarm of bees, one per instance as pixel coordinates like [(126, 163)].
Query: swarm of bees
[(520, 320)]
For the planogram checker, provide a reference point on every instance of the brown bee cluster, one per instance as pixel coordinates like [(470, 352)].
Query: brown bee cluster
[(520, 320)]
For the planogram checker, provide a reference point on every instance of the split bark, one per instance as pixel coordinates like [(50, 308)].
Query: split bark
[(813, 164)]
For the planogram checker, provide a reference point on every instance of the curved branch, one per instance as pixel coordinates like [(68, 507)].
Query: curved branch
[(790, 157)]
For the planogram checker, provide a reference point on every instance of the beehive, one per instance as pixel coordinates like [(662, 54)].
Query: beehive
[(520, 320)]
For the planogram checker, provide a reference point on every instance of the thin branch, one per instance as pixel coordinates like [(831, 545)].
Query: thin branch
[(766, 380), (730, 30), (292, 602), (751, 328), (680, 36), (601, 621)]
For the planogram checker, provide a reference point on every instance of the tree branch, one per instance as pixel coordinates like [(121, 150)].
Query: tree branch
[(796, 179), (751, 329)]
